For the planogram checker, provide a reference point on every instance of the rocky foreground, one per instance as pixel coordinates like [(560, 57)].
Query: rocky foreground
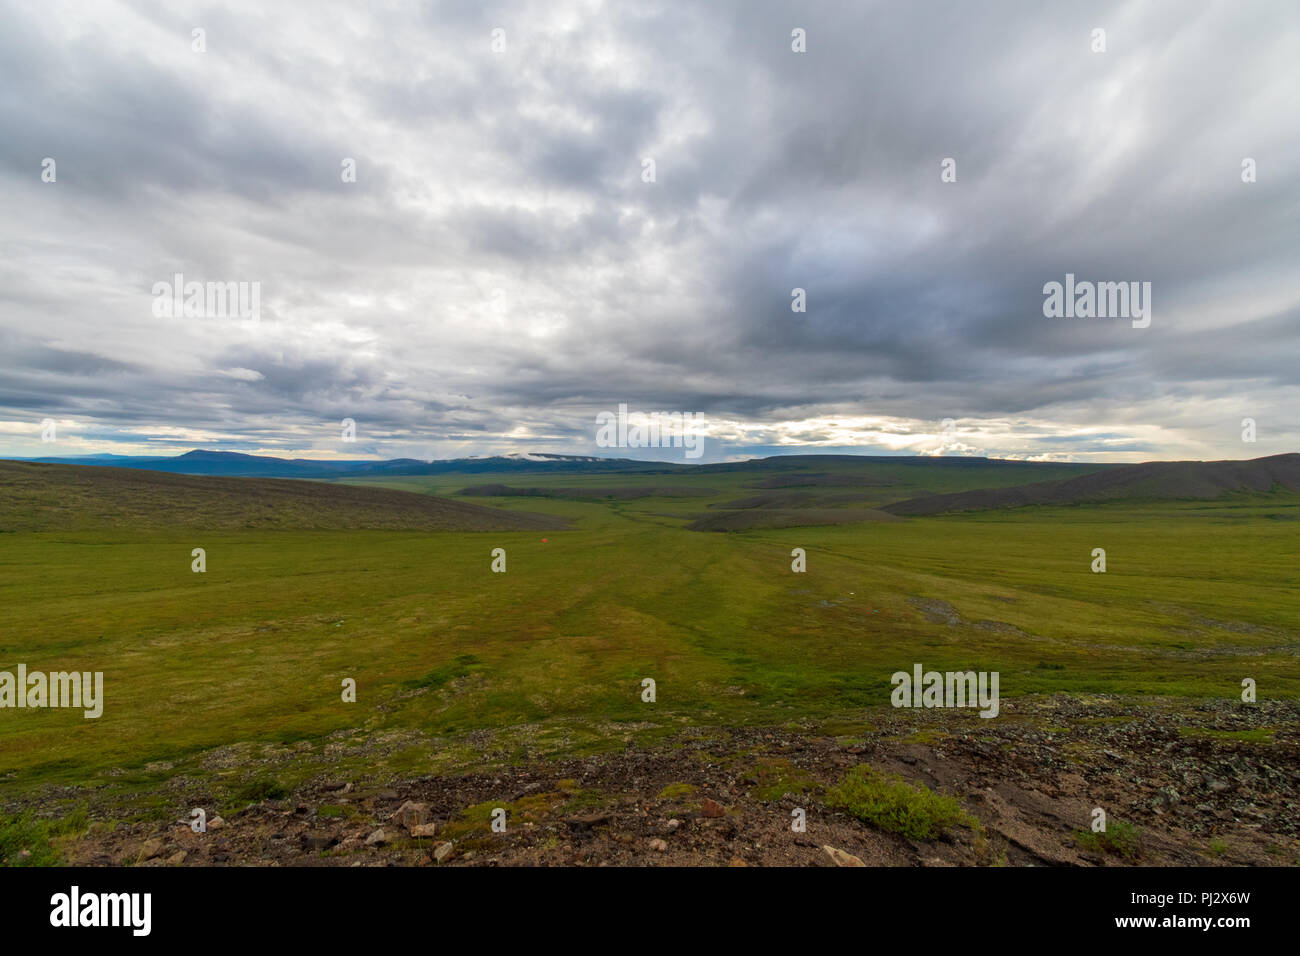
[(1213, 783)]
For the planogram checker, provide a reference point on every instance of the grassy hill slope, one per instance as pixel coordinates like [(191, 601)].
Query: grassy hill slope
[(41, 497), (1149, 481)]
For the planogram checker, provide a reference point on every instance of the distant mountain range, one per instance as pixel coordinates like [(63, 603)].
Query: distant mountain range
[(237, 465)]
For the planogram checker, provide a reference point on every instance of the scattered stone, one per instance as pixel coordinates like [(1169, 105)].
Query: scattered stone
[(712, 808), (442, 851), (658, 845), (177, 858), (376, 839), (672, 825), (841, 858), (151, 848), (216, 823), (737, 861), (424, 829)]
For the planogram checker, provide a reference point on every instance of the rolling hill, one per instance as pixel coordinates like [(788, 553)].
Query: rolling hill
[(47, 497), (1153, 481)]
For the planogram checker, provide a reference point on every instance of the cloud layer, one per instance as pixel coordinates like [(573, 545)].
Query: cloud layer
[(500, 271)]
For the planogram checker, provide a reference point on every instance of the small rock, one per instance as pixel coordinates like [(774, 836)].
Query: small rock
[(737, 861), (589, 820), (216, 823), (412, 814), (376, 839), (317, 842), (712, 808), (177, 858), (151, 848), (442, 851), (424, 829), (672, 825), (841, 858), (659, 846)]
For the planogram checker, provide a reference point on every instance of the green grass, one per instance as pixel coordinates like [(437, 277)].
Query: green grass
[(550, 655), (26, 833), (1118, 839), (462, 666), (255, 791), (1260, 735), (889, 803)]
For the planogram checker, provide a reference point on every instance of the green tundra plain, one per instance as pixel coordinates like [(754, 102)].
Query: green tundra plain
[(458, 667)]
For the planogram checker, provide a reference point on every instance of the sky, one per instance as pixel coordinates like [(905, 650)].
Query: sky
[(505, 264)]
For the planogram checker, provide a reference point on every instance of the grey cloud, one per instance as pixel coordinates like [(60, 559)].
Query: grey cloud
[(521, 172)]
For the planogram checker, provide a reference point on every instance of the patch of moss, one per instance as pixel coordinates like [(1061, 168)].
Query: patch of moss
[(774, 778), (1259, 735), (889, 803), (1119, 839), (27, 833), (255, 791), (676, 791)]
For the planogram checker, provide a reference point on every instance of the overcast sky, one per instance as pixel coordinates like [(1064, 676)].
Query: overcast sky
[(500, 271)]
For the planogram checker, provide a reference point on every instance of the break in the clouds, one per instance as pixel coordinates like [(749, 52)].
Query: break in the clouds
[(500, 270)]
